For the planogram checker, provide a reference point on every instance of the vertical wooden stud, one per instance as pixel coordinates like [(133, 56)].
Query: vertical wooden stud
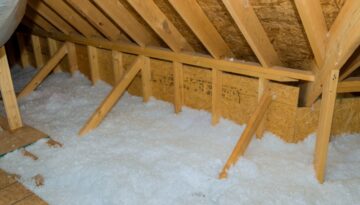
[(94, 64), (325, 121), (178, 86), (53, 48), (216, 95), (39, 60), (263, 85), (72, 57), (118, 66), (24, 54), (8, 93), (146, 78)]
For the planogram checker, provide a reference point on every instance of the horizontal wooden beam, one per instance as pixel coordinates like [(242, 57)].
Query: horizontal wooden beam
[(351, 85), (353, 66), (280, 74)]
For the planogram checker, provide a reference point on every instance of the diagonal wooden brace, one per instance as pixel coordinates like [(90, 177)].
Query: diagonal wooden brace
[(248, 133), (109, 102)]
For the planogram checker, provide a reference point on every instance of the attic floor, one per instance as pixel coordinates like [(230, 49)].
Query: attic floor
[(146, 154)]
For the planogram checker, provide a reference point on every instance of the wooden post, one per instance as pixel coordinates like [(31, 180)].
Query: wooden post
[(8, 93), (216, 95), (24, 54), (72, 57), (53, 48), (94, 64), (112, 98), (325, 120), (39, 60), (178, 86), (146, 78), (118, 67), (263, 85), (247, 134), (44, 71)]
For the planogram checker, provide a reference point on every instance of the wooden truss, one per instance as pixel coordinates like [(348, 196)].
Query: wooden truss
[(100, 23)]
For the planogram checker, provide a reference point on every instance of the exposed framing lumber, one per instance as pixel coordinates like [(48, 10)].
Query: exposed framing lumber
[(112, 98), (199, 23), (94, 64), (248, 133), (8, 93), (24, 54), (146, 78), (216, 95), (97, 19), (161, 25), (125, 20), (73, 18), (325, 121), (313, 19), (118, 66), (53, 48), (280, 74), (344, 39), (39, 20), (178, 86), (355, 64), (349, 85), (254, 33), (51, 16), (44, 71), (39, 59), (73, 63)]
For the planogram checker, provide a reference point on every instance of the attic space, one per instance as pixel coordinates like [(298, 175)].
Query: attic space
[(179, 102)]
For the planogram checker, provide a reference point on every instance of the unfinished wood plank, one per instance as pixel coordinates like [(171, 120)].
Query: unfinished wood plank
[(313, 19), (146, 78), (8, 93), (325, 120), (248, 133), (97, 19), (216, 95), (72, 57), (178, 86), (276, 73), (73, 18), (32, 200), (53, 47), (39, 20), (39, 59), (343, 40), (263, 86), (51, 16), (118, 66), (44, 72), (200, 24), (112, 98), (349, 85), (94, 64), (13, 193), (161, 25), (353, 66), (6, 179), (24, 54), (127, 22)]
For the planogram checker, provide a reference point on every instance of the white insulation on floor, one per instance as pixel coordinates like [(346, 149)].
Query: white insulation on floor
[(146, 154)]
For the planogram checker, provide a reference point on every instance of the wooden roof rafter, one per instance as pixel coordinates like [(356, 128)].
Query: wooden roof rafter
[(98, 19), (343, 40), (199, 23), (73, 18), (31, 15), (124, 19), (51, 16), (313, 19), (161, 25)]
